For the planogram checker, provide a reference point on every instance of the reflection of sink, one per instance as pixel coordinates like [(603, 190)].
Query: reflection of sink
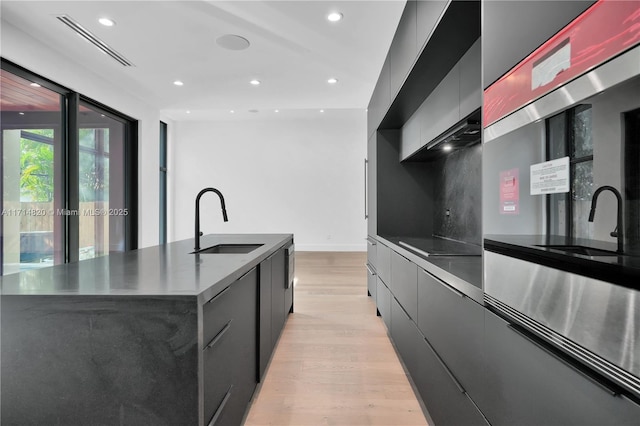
[(229, 249), (585, 251)]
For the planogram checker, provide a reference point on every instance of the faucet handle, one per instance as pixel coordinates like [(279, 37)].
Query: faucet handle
[(614, 233)]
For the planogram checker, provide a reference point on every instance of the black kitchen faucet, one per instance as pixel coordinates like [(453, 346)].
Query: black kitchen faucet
[(618, 232), (224, 212)]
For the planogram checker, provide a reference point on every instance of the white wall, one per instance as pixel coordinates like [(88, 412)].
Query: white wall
[(302, 175), (31, 54)]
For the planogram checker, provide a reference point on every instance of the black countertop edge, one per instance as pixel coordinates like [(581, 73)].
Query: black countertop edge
[(611, 271), (156, 271), (468, 283)]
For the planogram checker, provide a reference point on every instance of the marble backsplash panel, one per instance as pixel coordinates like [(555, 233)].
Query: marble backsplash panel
[(458, 195)]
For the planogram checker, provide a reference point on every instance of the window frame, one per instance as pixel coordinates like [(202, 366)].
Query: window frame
[(68, 189)]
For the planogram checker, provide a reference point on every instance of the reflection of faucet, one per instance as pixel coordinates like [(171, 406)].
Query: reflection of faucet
[(224, 212), (618, 232)]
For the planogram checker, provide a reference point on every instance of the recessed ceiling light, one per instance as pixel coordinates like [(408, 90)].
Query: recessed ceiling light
[(277, 110), (334, 16), (233, 42), (188, 112), (107, 22), (321, 110), (232, 111), (21, 113), (446, 148), (255, 82), (332, 81), (178, 83), (35, 85)]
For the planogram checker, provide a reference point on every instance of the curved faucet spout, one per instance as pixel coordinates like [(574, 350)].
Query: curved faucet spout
[(619, 231), (224, 213)]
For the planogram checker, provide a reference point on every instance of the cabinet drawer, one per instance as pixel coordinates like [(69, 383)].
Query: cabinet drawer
[(383, 263), (372, 245), (383, 302), (527, 384), (218, 366), (217, 312), (442, 394), (454, 325), (371, 282), (404, 283)]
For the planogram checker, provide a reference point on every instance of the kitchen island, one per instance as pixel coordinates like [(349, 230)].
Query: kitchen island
[(153, 336)]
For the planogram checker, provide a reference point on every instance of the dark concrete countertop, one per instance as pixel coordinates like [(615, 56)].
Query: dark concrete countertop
[(617, 269), (462, 272), (165, 270)]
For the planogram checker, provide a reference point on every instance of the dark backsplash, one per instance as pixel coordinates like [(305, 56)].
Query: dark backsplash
[(458, 189)]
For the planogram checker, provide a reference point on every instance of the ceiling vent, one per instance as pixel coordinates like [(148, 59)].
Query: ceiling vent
[(91, 38)]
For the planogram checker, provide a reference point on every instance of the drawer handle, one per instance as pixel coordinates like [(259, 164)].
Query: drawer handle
[(369, 269), (446, 369), (218, 412), (454, 291), (370, 241), (517, 329), (445, 285), (218, 336), (218, 295)]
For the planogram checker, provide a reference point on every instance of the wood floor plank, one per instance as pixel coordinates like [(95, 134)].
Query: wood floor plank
[(334, 363)]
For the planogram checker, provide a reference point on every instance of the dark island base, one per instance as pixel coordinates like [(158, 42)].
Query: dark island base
[(125, 361)]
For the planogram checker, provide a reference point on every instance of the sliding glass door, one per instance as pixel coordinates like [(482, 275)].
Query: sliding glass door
[(31, 140), (68, 175), (101, 183)]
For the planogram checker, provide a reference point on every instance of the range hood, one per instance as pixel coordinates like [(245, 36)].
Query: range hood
[(463, 134)]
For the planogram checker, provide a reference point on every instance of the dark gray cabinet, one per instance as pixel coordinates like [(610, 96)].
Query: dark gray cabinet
[(403, 49), (229, 351), (380, 99), (404, 284), (444, 398), (470, 80), (383, 263), (528, 385), (443, 107), (454, 325), (278, 280), (454, 98), (410, 134), (372, 251), (383, 301), (275, 303), (265, 343), (371, 282), (428, 14)]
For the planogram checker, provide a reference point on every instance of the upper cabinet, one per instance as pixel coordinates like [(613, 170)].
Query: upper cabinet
[(457, 96), (380, 100), (403, 49), (428, 13), (431, 37), (470, 80)]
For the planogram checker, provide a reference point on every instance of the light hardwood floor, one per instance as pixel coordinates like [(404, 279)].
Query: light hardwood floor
[(334, 363)]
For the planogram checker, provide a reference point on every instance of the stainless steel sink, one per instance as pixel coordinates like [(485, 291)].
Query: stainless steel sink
[(229, 249), (583, 250)]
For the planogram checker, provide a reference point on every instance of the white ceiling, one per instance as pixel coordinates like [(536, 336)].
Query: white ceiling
[(294, 50)]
